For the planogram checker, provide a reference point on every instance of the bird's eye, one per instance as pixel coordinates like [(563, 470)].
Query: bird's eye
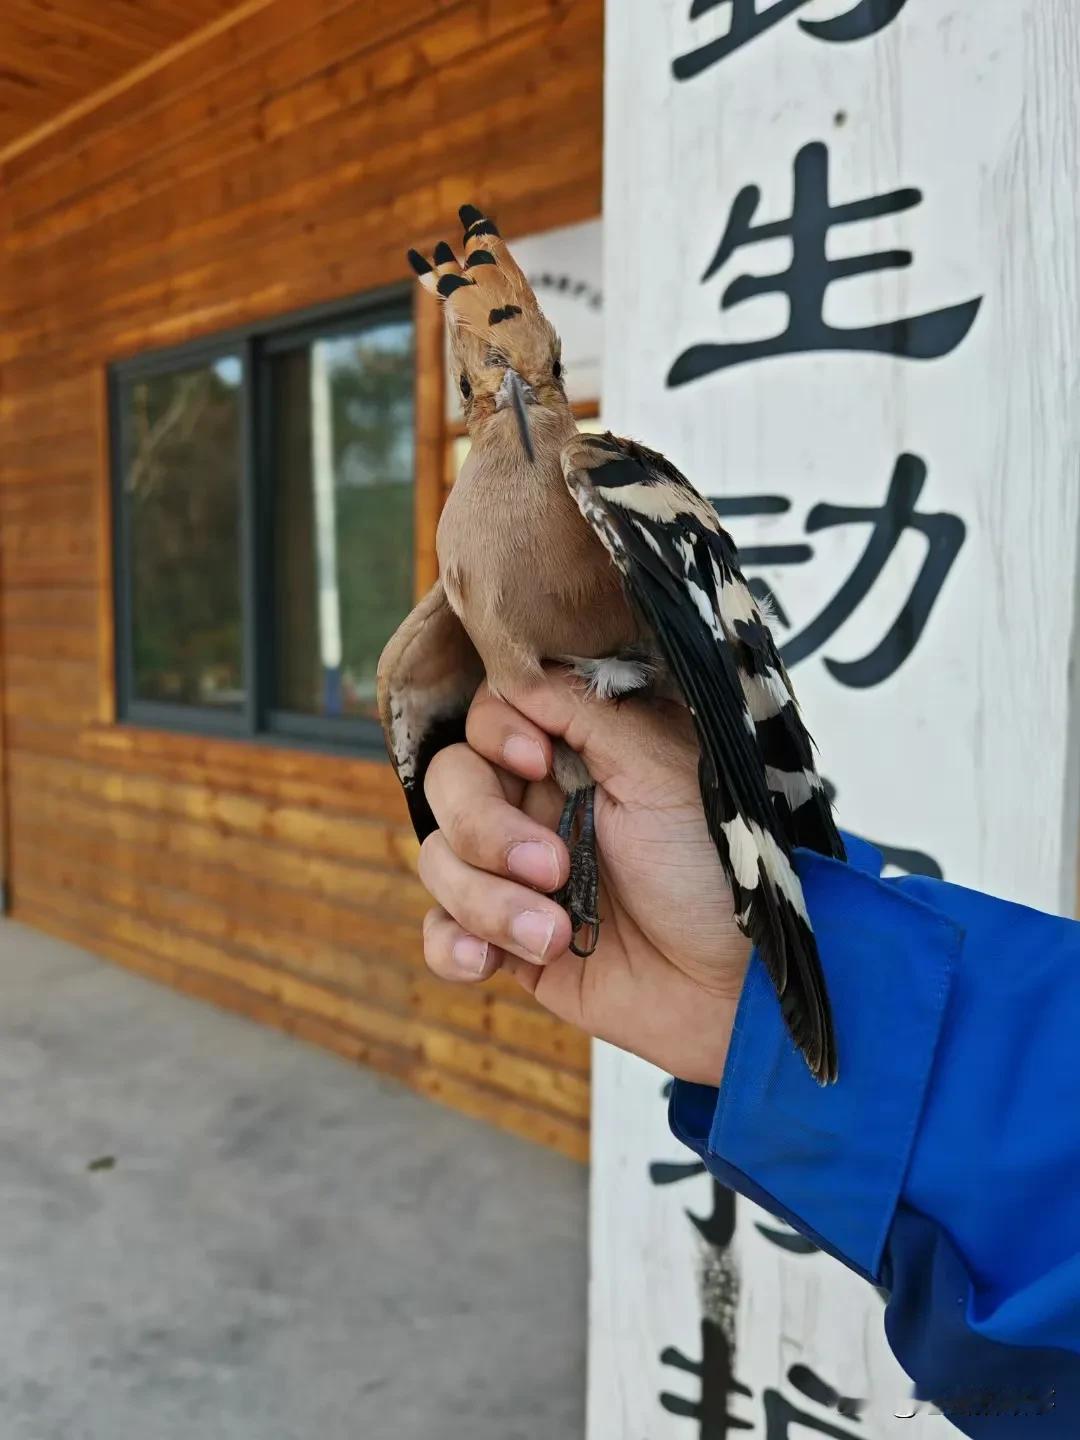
[(466, 388), (556, 369)]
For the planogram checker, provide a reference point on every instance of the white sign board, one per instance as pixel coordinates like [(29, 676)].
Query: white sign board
[(842, 266)]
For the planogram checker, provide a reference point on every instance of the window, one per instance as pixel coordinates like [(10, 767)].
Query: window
[(182, 488), (264, 526), (342, 415)]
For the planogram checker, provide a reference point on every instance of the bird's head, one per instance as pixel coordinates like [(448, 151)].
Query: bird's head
[(505, 352)]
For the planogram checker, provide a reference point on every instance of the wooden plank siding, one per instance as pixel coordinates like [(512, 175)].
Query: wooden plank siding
[(57, 54), (280, 161)]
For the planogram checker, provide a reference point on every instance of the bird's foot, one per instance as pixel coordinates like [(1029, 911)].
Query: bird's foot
[(580, 895)]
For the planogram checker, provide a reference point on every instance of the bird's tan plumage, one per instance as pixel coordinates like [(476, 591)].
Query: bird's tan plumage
[(556, 594)]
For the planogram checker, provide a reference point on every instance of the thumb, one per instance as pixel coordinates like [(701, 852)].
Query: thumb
[(623, 742)]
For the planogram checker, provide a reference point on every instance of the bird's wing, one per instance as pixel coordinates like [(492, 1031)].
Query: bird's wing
[(428, 675), (759, 784)]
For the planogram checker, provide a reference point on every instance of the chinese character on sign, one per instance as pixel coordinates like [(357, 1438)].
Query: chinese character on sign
[(897, 857), (785, 1238), (781, 1414), (944, 535), (809, 275), (749, 19), (716, 1229), (908, 861), (718, 1384), (711, 1411), (719, 1288)]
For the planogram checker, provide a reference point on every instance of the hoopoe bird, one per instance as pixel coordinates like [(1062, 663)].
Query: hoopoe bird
[(595, 553)]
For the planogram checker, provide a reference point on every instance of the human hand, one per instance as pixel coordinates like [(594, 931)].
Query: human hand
[(665, 978)]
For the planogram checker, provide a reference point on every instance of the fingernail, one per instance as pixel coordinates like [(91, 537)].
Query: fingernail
[(532, 930), (521, 753), (534, 861), (470, 954)]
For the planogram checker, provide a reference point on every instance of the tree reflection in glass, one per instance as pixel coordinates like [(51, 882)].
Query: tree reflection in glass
[(182, 491), (343, 513)]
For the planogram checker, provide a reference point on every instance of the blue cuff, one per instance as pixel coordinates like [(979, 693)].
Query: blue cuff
[(832, 1160)]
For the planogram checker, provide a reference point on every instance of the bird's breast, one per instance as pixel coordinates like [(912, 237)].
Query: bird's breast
[(528, 579)]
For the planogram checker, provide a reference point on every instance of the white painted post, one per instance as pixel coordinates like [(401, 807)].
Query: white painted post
[(955, 742)]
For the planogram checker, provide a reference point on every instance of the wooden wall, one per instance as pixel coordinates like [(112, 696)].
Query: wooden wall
[(284, 160), (58, 54)]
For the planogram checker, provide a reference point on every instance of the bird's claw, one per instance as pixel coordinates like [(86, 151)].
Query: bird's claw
[(579, 896), (584, 951)]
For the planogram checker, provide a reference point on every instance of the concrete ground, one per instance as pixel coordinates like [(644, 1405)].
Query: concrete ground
[(283, 1247)]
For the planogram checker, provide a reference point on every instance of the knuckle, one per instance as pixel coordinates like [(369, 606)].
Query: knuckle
[(486, 714), (468, 830), (439, 931), (430, 939), (496, 911), (435, 950), (430, 848), (480, 907), (441, 764)]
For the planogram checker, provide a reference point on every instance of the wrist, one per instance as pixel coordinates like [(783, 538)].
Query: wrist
[(700, 1058), (700, 1051)]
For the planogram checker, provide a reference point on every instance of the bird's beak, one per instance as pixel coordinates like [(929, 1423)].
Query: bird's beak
[(518, 392)]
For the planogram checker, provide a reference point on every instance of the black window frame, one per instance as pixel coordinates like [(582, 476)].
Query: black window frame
[(258, 720)]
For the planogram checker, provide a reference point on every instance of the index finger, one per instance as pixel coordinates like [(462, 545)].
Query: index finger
[(485, 829), (507, 738)]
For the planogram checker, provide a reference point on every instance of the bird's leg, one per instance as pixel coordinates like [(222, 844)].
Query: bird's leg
[(580, 893), (566, 820), (585, 880)]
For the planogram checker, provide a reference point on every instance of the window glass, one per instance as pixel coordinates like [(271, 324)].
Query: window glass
[(182, 487), (342, 424)]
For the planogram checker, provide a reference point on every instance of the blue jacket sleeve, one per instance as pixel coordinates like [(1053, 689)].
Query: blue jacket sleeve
[(945, 1164)]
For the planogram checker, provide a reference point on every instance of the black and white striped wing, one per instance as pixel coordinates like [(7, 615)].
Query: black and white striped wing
[(428, 675), (759, 785)]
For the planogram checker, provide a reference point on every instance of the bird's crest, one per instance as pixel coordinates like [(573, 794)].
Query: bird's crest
[(488, 288)]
